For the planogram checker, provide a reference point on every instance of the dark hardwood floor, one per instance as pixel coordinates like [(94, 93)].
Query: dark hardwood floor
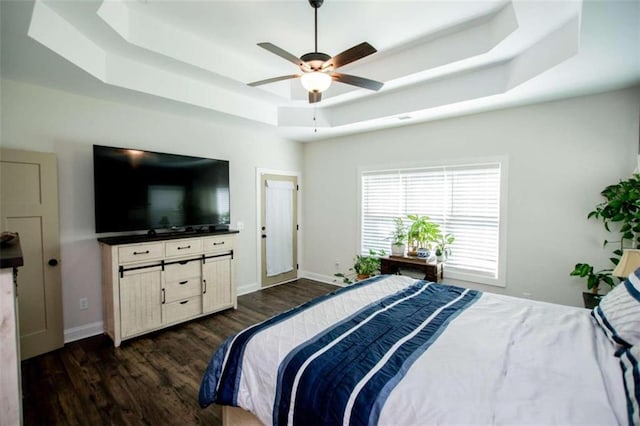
[(150, 380)]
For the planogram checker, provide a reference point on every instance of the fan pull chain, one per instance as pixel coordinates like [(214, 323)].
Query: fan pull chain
[(315, 122)]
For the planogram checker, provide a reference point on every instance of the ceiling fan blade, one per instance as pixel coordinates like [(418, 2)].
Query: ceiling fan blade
[(357, 81), (315, 97), (273, 80), (353, 54), (283, 54)]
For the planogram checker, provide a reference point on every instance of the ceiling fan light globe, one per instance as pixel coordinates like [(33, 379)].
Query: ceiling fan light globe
[(316, 81)]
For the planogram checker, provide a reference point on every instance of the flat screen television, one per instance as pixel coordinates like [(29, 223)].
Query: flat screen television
[(142, 190)]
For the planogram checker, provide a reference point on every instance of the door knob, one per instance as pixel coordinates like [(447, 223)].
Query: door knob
[(53, 262)]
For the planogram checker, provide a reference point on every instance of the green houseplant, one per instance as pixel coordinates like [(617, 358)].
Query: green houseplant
[(422, 234), (364, 266), (442, 247), (398, 237), (620, 215)]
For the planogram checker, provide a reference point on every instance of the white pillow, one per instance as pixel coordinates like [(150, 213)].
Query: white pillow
[(619, 312), (629, 359)]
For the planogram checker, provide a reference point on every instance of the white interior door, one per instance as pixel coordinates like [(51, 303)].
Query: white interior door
[(279, 228), (29, 206)]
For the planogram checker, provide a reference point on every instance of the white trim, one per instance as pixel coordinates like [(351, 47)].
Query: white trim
[(247, 288), (322, 278), (259, 173), (83, 331), (500, 281)]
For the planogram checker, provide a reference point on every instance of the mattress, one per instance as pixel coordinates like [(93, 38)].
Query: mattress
[(396, 350)]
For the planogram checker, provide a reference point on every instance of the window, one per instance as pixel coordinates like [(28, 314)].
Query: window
[(464, 199)]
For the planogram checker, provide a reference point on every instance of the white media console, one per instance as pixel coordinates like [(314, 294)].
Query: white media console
[(157, 281)]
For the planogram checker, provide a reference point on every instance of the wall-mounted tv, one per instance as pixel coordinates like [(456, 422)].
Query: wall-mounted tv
[(142, 190)]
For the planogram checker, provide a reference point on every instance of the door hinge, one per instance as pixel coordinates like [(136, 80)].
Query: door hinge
[(297, 227), (297, 187), (297, 266)]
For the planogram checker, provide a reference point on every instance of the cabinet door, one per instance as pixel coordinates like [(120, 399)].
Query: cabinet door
[(140, 300), (216, 284)]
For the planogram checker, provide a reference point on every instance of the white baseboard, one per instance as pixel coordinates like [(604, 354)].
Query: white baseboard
[(96, 328), (83, 331), (327, 279), (247, 288)]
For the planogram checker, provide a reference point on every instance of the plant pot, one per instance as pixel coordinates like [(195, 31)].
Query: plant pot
[(412, 251), (397, 250), (424, 253), (442, 258), (361, 277), (591, 300)]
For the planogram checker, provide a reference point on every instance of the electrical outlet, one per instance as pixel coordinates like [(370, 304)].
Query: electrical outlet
[(240, 226), (337, 265), (84, 304)]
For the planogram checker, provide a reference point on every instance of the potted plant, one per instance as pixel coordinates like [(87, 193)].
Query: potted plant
[(364, 266), (442, 248), (620, 210), (422, 235), (398, 238), (592, 299)]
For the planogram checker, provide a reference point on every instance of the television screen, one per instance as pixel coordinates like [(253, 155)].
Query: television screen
[(141, 190)]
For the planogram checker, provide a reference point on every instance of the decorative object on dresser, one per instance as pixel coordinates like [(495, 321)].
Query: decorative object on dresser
[(392, 265), (152, 282)]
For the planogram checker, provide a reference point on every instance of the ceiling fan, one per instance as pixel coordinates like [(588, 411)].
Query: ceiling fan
[(318, 69)]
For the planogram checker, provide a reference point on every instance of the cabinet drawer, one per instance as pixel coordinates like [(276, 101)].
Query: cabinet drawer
[(182, 271), (183, 247), (182, 310), (140, 252), (219, 243), (179, 290)]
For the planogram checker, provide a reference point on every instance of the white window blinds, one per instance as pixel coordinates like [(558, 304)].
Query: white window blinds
[(464, 200)]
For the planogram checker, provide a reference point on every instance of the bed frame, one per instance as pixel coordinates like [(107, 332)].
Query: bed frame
[(235, 416)]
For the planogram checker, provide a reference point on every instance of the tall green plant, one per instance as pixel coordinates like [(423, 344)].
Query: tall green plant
[(399, 234), (621, 209), (422, 232)]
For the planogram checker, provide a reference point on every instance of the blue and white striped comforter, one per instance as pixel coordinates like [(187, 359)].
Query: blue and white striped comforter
[(393, 350)]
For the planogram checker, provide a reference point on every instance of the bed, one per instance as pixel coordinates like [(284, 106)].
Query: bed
[(400, 351)]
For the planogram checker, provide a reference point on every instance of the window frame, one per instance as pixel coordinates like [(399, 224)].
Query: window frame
[(452, 276)]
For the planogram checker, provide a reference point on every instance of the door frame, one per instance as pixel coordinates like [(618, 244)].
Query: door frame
[(259, 173)]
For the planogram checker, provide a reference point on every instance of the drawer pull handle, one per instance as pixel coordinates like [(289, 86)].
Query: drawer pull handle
[(183, 262), (205, 286), (183, 248), (218, 244), (184, 302), (183, 282), (141, 252), (163, 297)]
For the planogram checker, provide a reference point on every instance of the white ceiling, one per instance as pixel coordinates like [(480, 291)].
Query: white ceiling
[(436, 58)]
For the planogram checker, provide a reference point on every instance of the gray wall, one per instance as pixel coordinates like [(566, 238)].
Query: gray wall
[(560, 156), (40, 119)]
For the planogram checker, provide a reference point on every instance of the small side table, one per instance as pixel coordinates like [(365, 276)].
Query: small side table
[(392, 264)]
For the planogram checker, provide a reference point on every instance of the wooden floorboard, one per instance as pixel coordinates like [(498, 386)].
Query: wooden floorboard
[(150, 380)]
